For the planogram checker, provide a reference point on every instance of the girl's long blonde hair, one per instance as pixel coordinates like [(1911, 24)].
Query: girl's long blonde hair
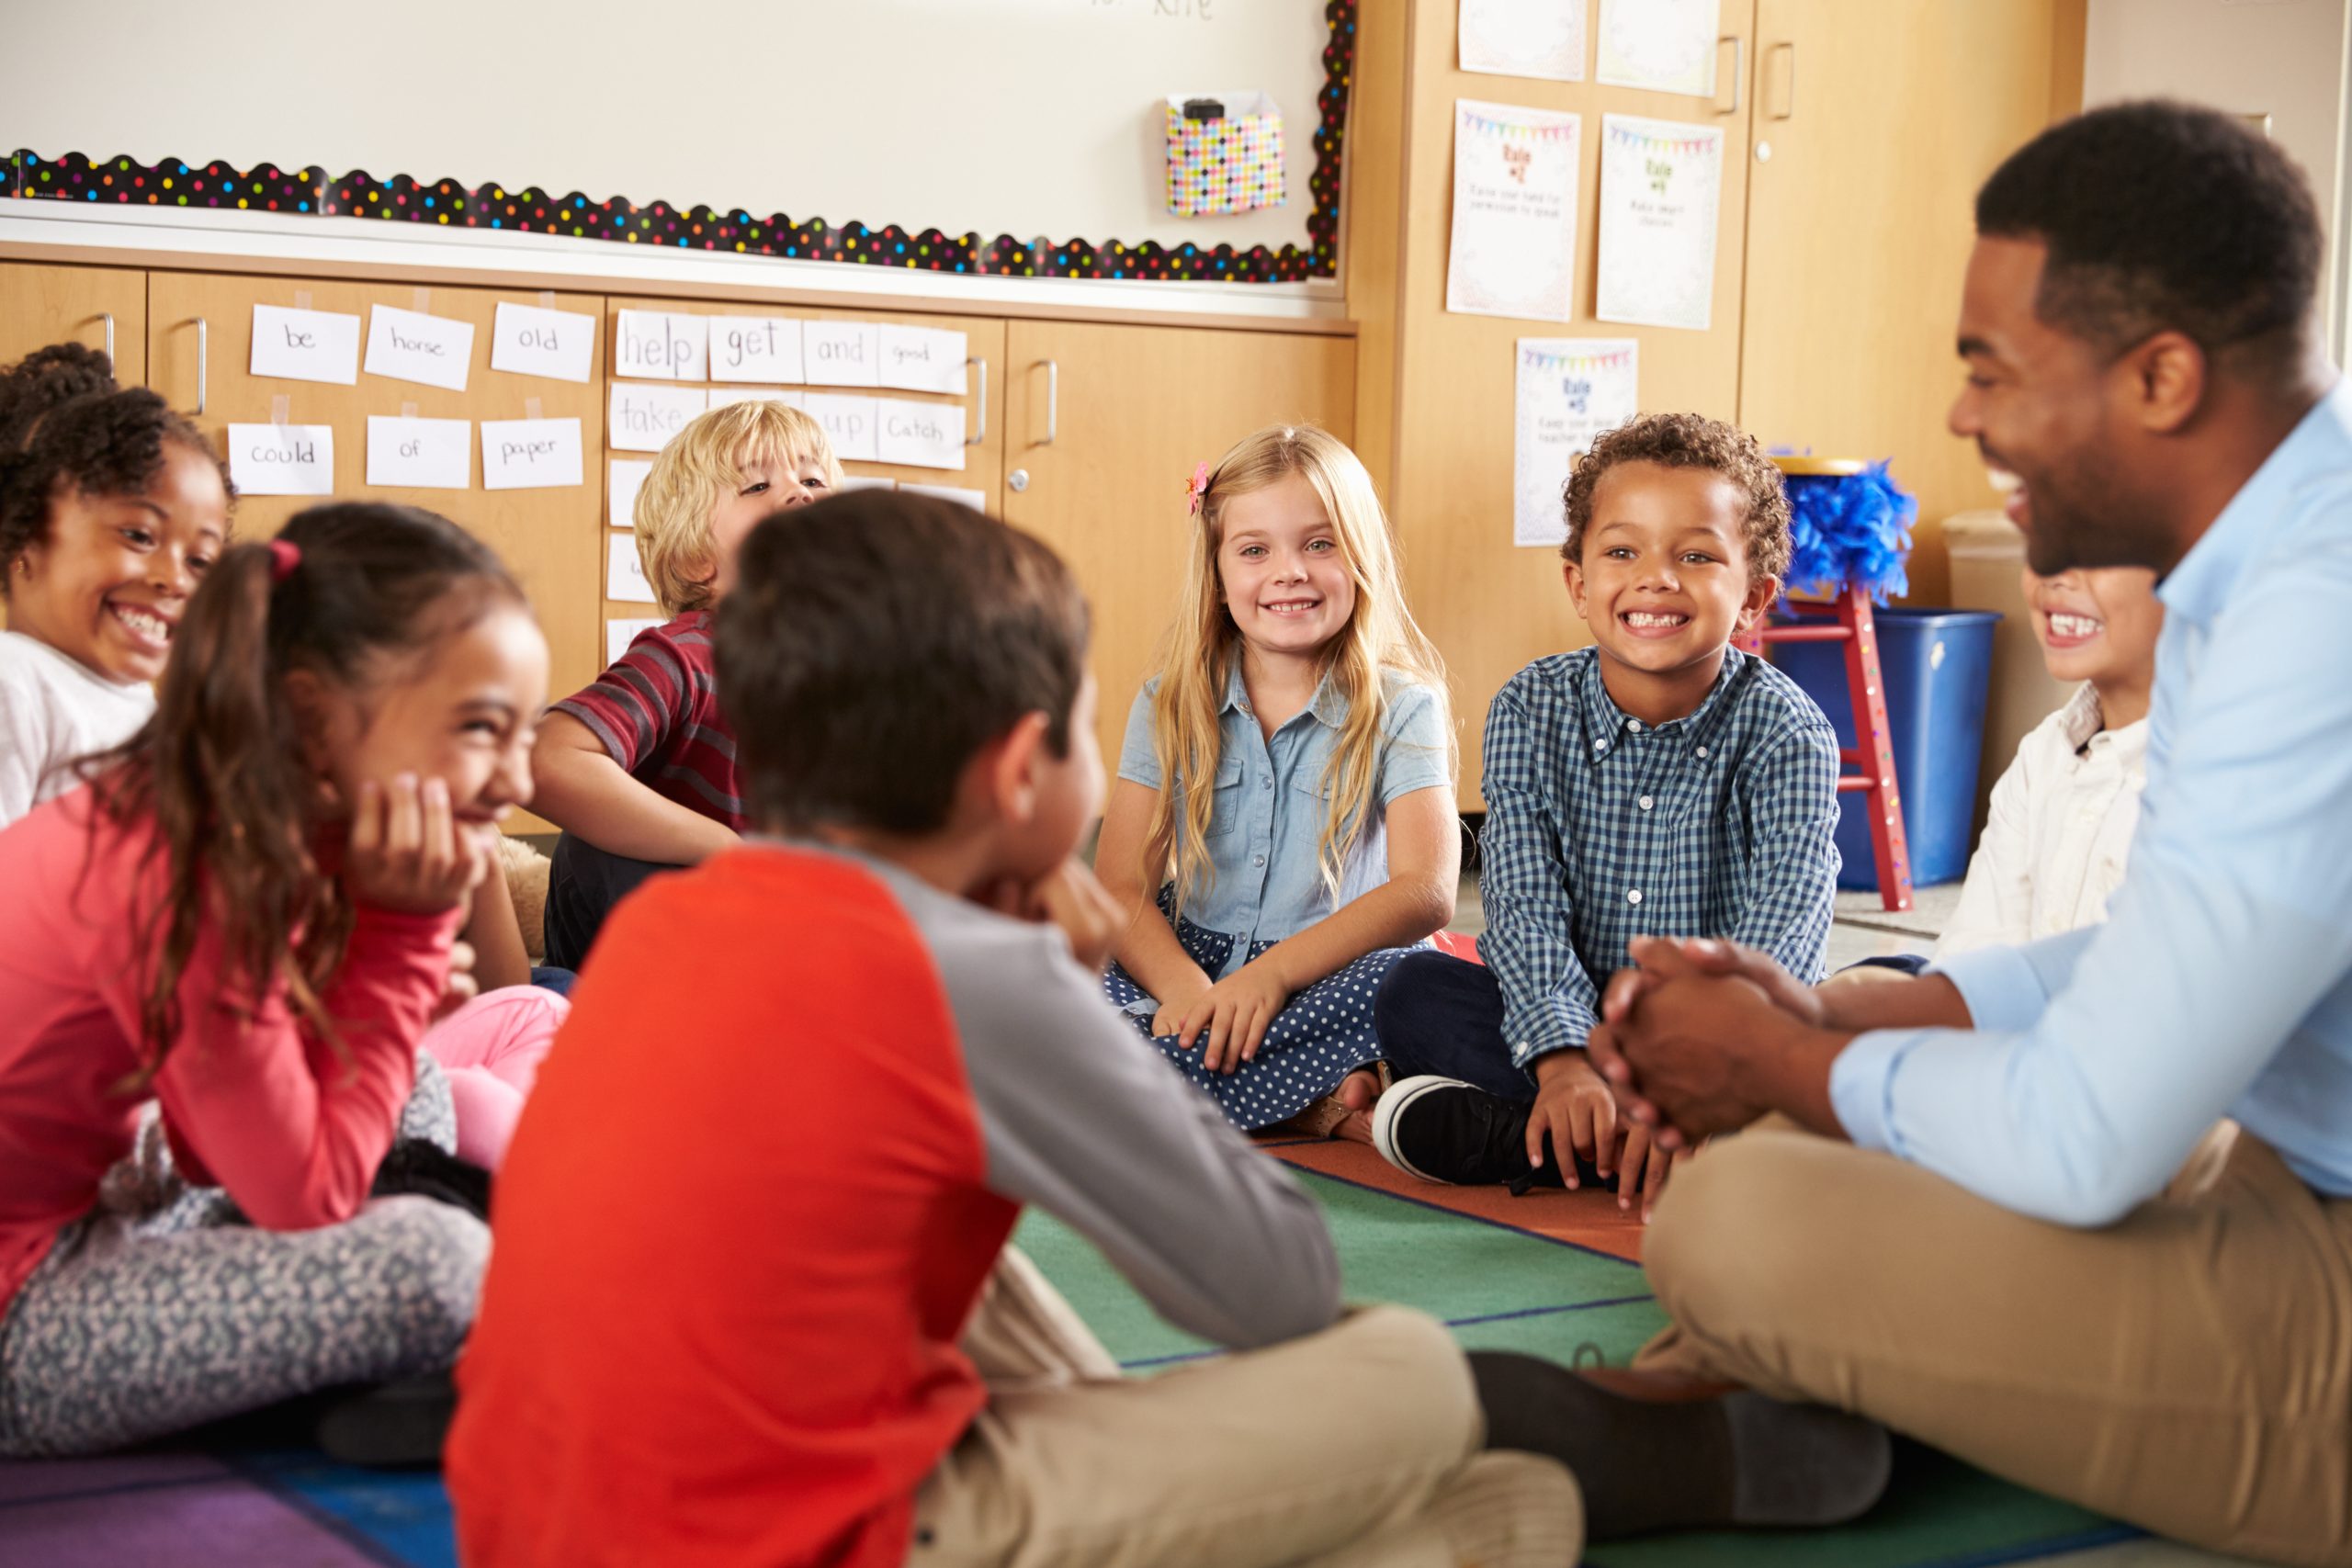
[(1381, 640)]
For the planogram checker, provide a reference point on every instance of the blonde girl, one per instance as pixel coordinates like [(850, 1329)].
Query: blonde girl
[(1283, 829)]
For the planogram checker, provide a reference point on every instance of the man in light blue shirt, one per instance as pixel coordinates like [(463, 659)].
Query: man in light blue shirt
[(2094, 1228)]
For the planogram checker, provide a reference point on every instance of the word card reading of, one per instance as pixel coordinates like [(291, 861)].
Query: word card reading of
[(427, 454), (842, 354), (282, 459), (664, 345), (923, 359), (756, 348), (625, 478), (848, 424), (919, 435), (306, 345), (432, 351), (530, 454), (619, 634), (559, 345), (644, 417), (625, 573)]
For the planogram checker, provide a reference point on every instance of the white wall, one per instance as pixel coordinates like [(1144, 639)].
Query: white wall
[(2282, 58), (1007, 116)]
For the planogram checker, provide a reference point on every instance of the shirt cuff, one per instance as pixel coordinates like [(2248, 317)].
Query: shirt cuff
[(1861, 1086), (1557, 1025), (2000, 985)]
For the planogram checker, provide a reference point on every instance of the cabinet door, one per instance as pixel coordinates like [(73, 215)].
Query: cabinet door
[(1874, 126), (105, 307), (548, 538), (1103, 426), (983, 401)]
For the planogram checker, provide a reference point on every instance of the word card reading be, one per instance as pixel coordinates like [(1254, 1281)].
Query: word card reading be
[(756, 348), (662, 344), (923, 359), (530, 454), (842, 354), (848, 424), (428, 453), (644, 417), (559, 345), (306, 345), (432, 351), (282, 459)]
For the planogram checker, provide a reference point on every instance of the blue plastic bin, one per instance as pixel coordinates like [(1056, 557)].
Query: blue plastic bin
[(1937, 665)]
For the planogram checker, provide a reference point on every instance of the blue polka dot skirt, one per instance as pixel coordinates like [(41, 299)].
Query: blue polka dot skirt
[(1321, 1035)]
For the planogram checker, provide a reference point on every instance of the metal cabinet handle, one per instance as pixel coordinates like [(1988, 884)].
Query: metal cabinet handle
[(1738, 68), (203, 351), (1789, 109), (1053, 400), (980, 434), (108, 317)]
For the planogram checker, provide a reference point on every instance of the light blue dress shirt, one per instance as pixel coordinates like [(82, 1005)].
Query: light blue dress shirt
[(2221, 983), (1266, 824)]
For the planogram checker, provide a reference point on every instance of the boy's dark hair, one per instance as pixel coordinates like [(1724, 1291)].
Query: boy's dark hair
[(66, 425), (2160, 215), (1689, 441), (220, 766), (874, 642)]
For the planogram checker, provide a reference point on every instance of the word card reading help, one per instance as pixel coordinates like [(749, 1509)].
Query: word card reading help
[(282, 459), (306, 345), (530, 454), (662, 344), (432, 351), (526, 340)]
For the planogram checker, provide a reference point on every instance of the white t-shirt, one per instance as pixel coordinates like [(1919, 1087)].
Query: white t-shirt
[(52, 710), (2054, 848)]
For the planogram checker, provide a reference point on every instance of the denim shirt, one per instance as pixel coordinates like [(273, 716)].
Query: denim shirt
[(1267, 823)]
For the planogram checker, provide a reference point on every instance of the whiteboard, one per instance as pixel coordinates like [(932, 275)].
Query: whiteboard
[(1023, 118)]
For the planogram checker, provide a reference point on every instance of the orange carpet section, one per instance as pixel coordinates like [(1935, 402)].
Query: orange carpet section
[(1586, 1219)]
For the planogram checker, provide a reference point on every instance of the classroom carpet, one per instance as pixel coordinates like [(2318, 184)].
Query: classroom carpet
[(1551, 1274)]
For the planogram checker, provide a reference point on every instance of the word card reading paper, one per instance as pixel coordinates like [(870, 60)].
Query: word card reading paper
[(282, 459), (625, 581), (530, 454), (663, 344), (923, 359), (559, 345), (306, 345), (426, 454), (919, 436), (407, 346), (644, 417), (848, 424), (756, 348), (842, 354)]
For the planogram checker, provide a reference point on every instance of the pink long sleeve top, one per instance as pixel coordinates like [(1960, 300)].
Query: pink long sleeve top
[(255, 1100)]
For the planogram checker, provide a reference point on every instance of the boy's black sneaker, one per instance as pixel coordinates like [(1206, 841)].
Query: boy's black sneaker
[(1445, 1130)]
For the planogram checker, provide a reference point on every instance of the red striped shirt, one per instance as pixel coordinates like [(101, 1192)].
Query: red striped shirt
[(655, 710)]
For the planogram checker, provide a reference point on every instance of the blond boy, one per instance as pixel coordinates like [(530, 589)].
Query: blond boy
[(638, 769)]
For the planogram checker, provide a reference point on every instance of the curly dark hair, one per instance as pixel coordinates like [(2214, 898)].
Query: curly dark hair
[(1689, 441), (2160, 215), (66, 425)]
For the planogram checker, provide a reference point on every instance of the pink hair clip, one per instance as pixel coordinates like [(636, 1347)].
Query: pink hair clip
[(1196, 489), (284, 556)]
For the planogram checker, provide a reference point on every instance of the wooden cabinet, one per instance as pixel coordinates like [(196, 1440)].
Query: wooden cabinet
[(1104, 427), (103, 306)]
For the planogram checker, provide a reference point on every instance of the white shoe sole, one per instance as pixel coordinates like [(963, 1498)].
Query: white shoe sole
[(1391, 1106)]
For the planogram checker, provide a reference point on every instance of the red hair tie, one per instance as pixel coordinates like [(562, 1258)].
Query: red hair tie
[(283, 558)]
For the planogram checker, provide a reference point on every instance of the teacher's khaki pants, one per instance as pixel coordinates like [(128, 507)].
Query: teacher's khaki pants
[(2187, 1369)]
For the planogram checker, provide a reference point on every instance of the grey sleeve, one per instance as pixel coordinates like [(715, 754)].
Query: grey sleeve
[(1083, 1120)]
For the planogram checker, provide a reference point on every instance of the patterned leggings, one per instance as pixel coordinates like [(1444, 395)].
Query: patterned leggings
[(162, 1309)]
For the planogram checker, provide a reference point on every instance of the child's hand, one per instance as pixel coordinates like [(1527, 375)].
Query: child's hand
[(407, 852), (1230, 1017), (1070, 897), (1575, 1108), (1643, 1167), (1170, 1019)]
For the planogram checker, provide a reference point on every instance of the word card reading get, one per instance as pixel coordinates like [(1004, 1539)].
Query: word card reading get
[(530, 454), (432, 351), (282, 459), (842, 354), (558, 346), (428, 453), (662, 344), (848, 424), (919, 435), (306, 345), (625, 573), (643, 417), (619, 634), (625, 478), (756, 348), (923, 359)]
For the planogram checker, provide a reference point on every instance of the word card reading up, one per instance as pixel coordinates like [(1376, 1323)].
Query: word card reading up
[(848, 424)]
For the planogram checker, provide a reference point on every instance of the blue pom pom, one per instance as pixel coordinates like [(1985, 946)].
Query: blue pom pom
[(1852, 529)]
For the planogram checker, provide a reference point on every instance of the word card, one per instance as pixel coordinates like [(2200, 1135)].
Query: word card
[(426, 454), (306, 345), (530, 454), (644, 417), (282, 459), (663, 344), (923, 359), (526, 340), (408, 345), (842, 354), (756, 348)]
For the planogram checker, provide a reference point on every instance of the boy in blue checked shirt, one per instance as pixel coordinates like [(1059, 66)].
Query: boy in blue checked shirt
[(1660, 781)]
